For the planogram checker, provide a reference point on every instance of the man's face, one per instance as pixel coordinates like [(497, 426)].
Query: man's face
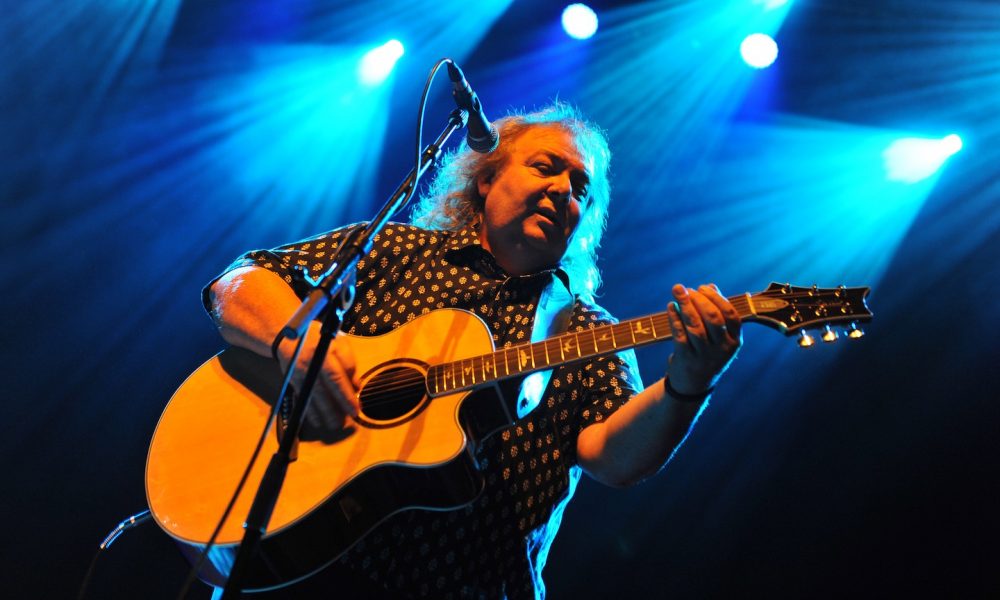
[(533, 203)]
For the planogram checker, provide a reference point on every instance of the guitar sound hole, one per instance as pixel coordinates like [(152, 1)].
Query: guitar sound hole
[(392, 393)]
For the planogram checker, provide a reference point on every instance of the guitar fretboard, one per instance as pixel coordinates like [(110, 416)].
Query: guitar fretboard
[(524, 359)]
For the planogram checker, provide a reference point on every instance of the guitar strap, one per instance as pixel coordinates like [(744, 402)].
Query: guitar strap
[(552, 315)]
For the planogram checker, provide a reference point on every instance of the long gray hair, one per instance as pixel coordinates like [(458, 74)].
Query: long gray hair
[(452, 200)]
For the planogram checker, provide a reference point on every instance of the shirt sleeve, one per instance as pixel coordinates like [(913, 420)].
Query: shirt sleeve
[(312, 256), (606, 382)]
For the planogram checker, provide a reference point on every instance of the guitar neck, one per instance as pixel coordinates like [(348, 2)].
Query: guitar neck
[(524, 359)]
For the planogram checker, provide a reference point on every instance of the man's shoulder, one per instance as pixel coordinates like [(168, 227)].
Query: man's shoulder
[(588, 314), (391, 234), (408, 231)]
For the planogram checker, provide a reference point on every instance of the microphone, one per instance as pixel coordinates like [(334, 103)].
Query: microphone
[(482, 136)]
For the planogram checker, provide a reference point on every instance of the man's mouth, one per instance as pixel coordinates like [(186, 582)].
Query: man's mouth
[(549, 214)]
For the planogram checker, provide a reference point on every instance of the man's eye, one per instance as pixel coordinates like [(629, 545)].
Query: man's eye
[(543, 167)]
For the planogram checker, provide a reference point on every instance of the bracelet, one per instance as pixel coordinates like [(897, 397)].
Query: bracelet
[(686, 397)]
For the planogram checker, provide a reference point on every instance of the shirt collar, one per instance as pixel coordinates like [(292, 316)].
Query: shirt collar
[(465, 243)]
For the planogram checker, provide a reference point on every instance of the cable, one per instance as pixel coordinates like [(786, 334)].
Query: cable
[(420, 123), (137, 519), (193, 572)]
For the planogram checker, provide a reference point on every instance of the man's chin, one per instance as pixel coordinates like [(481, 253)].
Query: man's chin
[(549, 242)]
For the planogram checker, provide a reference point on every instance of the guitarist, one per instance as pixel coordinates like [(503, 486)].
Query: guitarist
[(492, 233)]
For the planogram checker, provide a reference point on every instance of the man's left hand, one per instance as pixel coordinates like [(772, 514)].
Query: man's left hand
[(706, 330)]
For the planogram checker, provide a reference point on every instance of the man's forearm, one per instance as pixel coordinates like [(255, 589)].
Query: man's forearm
[(250, 305), (638, 439)]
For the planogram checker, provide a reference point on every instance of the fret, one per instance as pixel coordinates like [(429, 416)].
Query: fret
[(618, 332), (593, 337), (605, 341), (640, 333), (437, 380), (506, 365), (652, 326), (568, 343), (522, 358), (545, 347), (664, 325), (470, 370), (562, 354)]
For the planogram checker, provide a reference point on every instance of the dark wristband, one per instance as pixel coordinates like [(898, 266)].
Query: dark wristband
[(691, 398)]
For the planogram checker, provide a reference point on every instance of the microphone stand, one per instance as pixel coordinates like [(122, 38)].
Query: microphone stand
[(338, 281)]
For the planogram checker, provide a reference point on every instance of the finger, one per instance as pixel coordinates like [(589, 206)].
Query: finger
[(321, 416), (338, 386), (711, 316), (676, 325), (338, 383), (690, 317), (732, 317)]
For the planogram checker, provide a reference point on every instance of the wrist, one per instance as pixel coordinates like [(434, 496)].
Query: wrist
[(686, 398)]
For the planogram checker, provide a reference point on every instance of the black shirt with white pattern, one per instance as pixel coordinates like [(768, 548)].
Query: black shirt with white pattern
[(497, 546)]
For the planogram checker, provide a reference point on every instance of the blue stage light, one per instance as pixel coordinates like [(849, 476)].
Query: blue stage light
[(759, 50), (579, 21), (910, 160), (378, 62), (771, 4)]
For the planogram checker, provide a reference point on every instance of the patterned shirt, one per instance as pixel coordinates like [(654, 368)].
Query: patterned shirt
[(497, 546)]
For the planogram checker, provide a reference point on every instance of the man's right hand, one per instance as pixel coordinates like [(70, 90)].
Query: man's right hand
[(335, 395), (250, 305)]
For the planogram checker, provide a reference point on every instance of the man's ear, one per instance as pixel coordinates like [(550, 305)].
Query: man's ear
[(484, 183)]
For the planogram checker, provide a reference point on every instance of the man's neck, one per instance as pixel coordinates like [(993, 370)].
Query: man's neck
[(513, 259)]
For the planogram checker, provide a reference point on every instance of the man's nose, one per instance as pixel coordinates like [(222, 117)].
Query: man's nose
[(560, 188)]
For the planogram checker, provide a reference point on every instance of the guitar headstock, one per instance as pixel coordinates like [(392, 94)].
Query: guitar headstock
[(791, 309)]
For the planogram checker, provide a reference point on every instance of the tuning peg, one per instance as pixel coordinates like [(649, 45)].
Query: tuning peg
[(805, 340), (854, 332), (829, 335)]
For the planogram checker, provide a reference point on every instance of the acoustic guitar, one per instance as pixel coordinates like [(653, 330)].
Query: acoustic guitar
[(427, 396)]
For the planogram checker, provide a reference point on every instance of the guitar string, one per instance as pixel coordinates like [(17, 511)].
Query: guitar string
[(540, 347), (481, 360), (381, 392), (388, 389)]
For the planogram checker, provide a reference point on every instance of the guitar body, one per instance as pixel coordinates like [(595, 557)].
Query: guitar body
[(405, 450)]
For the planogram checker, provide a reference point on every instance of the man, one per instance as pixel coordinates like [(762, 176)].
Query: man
[(495, 231)]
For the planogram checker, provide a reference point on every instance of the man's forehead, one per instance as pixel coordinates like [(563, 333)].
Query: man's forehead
[(556, 141)]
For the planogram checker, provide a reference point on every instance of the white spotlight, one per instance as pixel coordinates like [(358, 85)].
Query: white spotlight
[(378, 62), (579, 21), (910, 160), (759, 50)]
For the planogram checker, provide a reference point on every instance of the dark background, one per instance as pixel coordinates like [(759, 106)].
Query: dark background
[(859, 469)]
